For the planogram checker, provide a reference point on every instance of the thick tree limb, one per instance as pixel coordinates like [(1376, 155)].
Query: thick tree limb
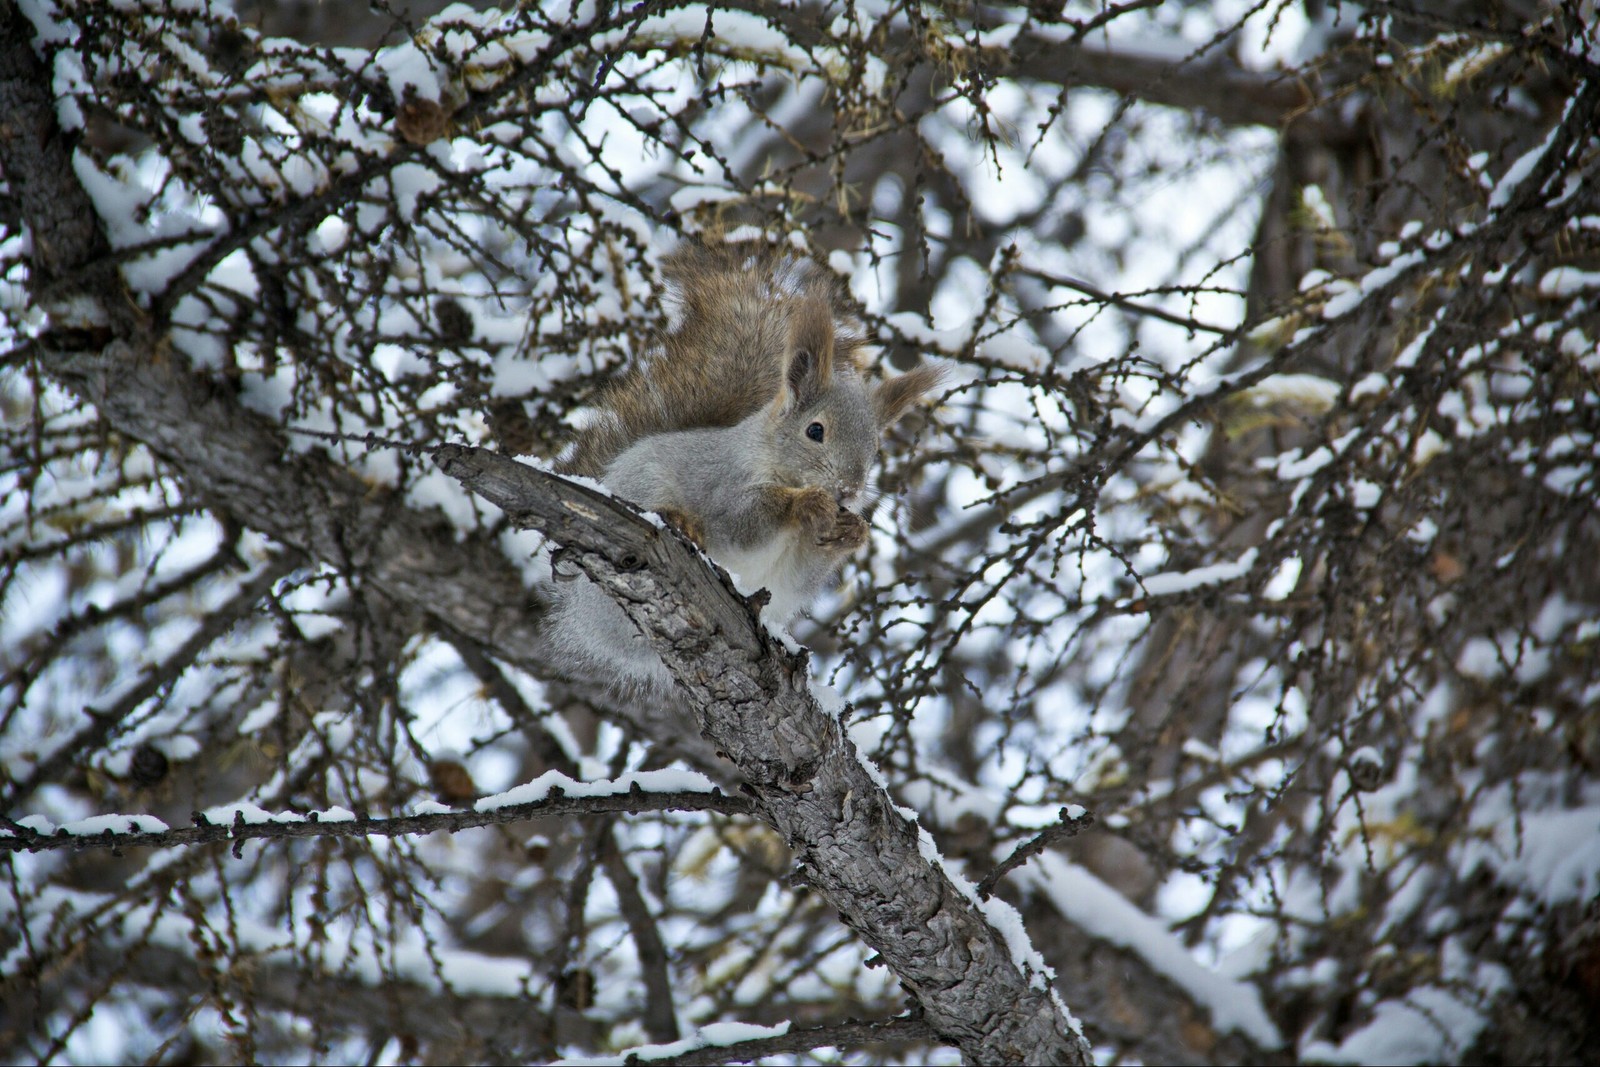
[(34, 156), (751, 699), (304, 501), (1217, 86)]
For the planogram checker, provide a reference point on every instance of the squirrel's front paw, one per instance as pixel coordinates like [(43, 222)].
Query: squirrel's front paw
[(813, 509), (847, 533), (826, 522)]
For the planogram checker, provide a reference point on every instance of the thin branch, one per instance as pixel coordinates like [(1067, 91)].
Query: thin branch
[(848, 1035), (106, 721), (284, 984), (660, 1017), (1070, 826), (314, 825), (1127, 303)]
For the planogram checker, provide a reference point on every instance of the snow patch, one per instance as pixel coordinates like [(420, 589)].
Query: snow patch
[(1186, 581), (1102, 912), (554, 782)]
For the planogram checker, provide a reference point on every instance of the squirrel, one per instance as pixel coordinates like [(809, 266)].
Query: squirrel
[(751, 427)]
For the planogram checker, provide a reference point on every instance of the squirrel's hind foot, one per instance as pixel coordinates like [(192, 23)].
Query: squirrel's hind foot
[(687, 524)]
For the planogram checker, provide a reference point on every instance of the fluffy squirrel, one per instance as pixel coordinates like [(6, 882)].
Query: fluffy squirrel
[(751, 426)]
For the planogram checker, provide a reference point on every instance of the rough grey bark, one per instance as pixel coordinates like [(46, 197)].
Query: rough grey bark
[(751, 699)]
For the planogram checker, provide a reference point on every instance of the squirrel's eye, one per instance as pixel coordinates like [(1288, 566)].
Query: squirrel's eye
[(815, 431)]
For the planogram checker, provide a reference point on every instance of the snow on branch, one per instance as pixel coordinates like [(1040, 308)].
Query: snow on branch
[(1090, 903), (552, 795), (745, 1042)]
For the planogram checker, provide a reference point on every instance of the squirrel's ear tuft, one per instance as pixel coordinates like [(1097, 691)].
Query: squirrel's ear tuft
[(894, 397), (811, 352)]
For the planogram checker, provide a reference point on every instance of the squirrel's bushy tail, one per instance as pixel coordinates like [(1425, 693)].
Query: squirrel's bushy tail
[(738, 310)]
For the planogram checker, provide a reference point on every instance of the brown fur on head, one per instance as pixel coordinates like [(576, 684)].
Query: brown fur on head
[(808, 369), (752, 325)]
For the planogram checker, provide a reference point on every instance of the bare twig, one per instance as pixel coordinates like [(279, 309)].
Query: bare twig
[(1070, 826)]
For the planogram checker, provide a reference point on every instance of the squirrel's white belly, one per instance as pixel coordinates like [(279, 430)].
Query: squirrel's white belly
[(588, 626), (775, 566)]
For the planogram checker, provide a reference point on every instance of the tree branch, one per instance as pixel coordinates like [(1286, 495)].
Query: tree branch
[(314, 824), (751, 697), (660, 1017), (106, 721), (455, 1020), (236, 457), (1216, 85), (1070, 826), (842, 1035)]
